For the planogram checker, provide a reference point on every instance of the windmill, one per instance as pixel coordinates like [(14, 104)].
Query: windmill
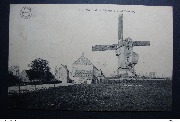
[(127, 59)]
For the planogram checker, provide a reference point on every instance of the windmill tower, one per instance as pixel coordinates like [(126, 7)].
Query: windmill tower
[(127, 59)]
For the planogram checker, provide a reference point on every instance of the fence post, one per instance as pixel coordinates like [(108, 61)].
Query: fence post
[(19, 88), (35, 85)]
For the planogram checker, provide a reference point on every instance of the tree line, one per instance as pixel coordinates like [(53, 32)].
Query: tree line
[(38, 73)]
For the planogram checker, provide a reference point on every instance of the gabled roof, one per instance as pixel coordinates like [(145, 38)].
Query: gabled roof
[(83, 61), (65, 67), (25, 72), (61, 67)]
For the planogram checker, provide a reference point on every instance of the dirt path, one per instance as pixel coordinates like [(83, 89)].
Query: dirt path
[(32, 87)]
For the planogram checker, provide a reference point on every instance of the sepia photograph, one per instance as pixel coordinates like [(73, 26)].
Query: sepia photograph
[(90, 57)]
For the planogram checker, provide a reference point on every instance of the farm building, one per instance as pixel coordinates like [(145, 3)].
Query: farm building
[(152, 74), (24, 76), (84, 72), (14, 70), (62, 73)]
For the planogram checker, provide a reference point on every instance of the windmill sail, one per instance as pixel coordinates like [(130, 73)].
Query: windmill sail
[(120, 28), (104, 47), (141, 43)]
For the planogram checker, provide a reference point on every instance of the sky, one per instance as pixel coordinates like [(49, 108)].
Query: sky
[(60, 33)]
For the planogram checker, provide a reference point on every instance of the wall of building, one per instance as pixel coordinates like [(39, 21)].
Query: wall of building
[(24, 77), (82, 73), (61, 74), (152, 74), (15, 70)]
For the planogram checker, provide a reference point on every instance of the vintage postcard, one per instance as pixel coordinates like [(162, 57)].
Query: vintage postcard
[(90, 57)]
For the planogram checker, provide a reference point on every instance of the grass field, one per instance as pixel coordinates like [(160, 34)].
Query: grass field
[(151, 96)]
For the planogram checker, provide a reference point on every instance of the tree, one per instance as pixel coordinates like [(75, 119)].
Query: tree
[(40, 70)]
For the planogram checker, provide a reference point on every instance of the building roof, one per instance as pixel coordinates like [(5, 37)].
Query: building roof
[(83, 61), (25, 72), (65, 66)]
